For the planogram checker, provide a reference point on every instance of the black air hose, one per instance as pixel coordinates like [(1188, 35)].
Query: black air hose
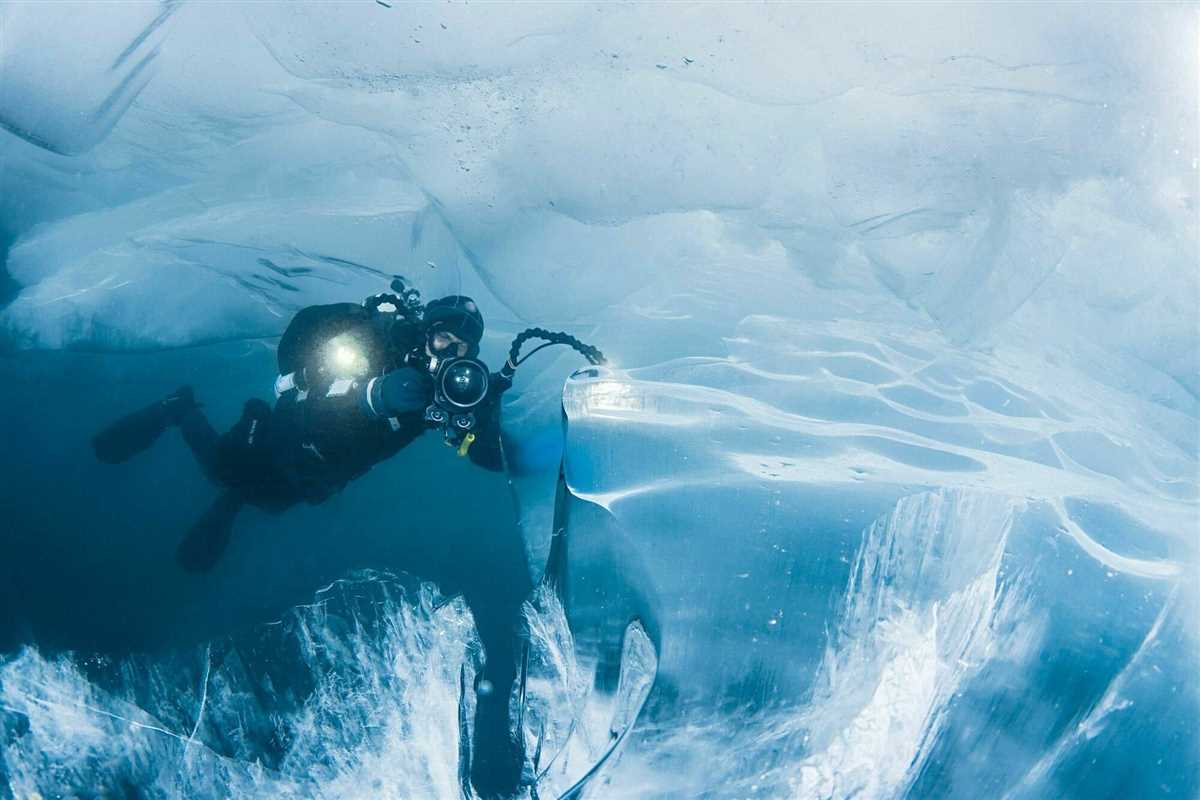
[(592, 354)]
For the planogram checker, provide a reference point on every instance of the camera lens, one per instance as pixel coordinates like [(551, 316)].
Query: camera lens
[(464, 382)]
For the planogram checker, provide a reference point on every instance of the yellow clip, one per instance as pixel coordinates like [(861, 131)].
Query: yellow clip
[(466, 444)]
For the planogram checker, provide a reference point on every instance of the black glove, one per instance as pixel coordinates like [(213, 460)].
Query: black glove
[(401, 391)]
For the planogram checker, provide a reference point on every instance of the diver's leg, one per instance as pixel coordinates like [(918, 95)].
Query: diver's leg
[(231, 459), (203, 440), (208, 538), (236, 460), (136, 431)]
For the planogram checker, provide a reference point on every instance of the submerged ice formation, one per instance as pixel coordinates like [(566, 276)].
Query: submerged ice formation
[(902, 569), (354, 695), (897, 458), (357, 694)]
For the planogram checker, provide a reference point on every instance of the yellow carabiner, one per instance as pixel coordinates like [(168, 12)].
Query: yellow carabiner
[(466, 444)]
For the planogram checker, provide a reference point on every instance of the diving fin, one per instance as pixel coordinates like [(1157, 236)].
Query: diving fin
[(206, 541), (135, 432)]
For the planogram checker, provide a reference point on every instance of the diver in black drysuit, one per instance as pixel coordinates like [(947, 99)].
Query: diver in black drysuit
[(352, 393), (355, 387)]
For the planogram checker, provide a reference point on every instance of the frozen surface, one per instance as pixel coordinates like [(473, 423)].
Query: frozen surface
[(897, 456)]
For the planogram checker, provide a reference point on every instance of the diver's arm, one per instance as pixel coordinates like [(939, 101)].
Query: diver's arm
[(401, 391)]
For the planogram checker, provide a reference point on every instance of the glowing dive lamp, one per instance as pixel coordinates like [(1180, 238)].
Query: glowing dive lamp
[(344, 358)]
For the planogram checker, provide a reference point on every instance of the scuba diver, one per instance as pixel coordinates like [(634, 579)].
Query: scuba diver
[(356, 384)]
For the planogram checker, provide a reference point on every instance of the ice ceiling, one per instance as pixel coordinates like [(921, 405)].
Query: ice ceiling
[(1008, 173)]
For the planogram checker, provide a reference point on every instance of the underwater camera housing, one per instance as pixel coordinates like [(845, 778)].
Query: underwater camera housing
[(459, 386)]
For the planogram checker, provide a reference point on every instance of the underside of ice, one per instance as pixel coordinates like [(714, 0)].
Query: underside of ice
[(895, 457)]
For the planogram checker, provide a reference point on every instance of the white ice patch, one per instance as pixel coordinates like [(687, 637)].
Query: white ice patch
[(381, 720), (920, 616)]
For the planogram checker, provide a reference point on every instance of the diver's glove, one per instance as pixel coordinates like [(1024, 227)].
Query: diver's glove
[(401, 391)]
